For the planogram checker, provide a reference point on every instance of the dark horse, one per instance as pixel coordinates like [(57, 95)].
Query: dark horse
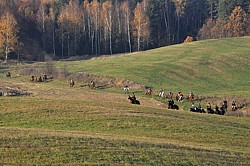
[(171, 105), (196, 109), (133, 100), (8, 75), (220, 111)]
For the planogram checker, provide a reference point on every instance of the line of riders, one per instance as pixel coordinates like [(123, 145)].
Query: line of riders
[(171, 105), (179, 97), (42, 78)]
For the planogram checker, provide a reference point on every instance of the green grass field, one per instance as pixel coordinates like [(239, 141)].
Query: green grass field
[(214, 67), (59, 125)]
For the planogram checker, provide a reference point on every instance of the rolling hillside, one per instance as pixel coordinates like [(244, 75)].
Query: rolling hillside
[(213, 67), (60, 125)]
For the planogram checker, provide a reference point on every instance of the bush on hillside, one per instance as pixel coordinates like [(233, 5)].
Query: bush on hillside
[(188, 39)]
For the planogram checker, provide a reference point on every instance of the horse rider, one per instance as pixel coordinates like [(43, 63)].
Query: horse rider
[(209, 107), (191, 94), (234, 107), (170, 104), (133, 96), (161, 94), (224, 104), (72, 83), (45, 77), (170, 95), (8, 74), (149, 92), (126, 89), (180, 95)]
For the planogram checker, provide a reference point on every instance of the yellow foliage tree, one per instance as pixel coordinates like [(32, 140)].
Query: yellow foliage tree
[(141, 25), (188, 39), (239, 23), (8, 33)]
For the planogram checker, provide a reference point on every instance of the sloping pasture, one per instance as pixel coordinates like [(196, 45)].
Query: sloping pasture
[(60, 125)]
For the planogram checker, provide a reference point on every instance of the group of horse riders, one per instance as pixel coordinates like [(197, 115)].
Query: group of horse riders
[(179, 96), (42, 78), (190, 97)]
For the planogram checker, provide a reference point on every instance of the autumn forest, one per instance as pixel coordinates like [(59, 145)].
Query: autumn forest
[(32, 29)]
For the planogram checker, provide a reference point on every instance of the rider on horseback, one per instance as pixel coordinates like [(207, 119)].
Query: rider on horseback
[(191, 94), (180, 95), (72, 83), (234, 107), (133, 96)]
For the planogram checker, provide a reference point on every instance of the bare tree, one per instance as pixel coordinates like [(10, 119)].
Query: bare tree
[(126, 14)]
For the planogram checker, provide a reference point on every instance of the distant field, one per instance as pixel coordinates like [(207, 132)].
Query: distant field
[(59, 125)]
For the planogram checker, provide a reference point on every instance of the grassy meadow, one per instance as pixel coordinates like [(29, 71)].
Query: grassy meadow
[(60, 125), (211, 67)]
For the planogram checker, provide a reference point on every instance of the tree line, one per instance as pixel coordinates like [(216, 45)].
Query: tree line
[(64, 28)]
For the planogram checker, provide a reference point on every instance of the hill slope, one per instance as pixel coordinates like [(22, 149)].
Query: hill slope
[(207, 67), (58, 124)]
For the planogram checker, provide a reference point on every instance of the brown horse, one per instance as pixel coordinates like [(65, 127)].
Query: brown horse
[(170, 96), (149, 92), (92, 84), (190, 97)]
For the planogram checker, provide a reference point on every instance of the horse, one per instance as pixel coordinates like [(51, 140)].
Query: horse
[(161, 94), (32, 78), (71, 83), (169, 95), (40, 79), (190, 97), (126, 89), (45, 77), (210, 111), (196, 109), (224, 105), (149, 92), (171, 105), (92, 84), (234, 107), (179, 98), (8, 75), (133, 100)]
